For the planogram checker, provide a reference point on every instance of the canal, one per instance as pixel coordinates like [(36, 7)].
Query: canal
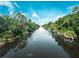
[(40, 44)]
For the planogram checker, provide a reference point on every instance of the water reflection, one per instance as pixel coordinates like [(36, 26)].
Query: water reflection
[(71, 48), (15, 46), (20, 46), (40, 44), (3, 51)]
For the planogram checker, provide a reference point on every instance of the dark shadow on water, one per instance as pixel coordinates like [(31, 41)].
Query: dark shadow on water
[(71, 48), (17, 45)]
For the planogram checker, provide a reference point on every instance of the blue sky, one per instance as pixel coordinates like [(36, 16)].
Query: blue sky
[(38, 11)]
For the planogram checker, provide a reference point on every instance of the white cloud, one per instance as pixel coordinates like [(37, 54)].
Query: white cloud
[(42, 21), (46, 16), (22, 13), (6, 3), (58, 16), (71, 7), (9, 5), (19, 8), (16, 5), (50, 19), (34, 14), (0, 15)]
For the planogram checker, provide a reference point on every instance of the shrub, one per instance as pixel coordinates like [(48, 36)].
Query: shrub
[(70, 34)]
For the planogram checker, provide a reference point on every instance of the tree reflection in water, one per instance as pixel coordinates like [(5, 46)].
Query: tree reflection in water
[(17, 45), (71, 48), (21, 45)]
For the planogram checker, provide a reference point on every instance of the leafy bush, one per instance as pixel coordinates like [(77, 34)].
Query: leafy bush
[(70, 34), (17, 31), (12, 26)]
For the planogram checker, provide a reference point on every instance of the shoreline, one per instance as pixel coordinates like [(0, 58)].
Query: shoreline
[(15, 39), (70, 47), (65, 38)]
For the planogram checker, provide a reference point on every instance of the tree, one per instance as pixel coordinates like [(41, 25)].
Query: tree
[(75, 9)]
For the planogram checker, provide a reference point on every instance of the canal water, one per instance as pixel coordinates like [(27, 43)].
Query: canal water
[(40, 44)]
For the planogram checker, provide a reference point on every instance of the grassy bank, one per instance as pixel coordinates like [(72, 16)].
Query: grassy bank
[(14, 26)]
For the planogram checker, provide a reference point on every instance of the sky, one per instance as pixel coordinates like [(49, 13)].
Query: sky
[(40, 12)]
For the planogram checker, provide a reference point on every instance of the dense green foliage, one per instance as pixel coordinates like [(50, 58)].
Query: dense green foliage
[(68, 25), (16, 25)]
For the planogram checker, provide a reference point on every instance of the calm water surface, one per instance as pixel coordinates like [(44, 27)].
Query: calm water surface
[(40, 44)]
